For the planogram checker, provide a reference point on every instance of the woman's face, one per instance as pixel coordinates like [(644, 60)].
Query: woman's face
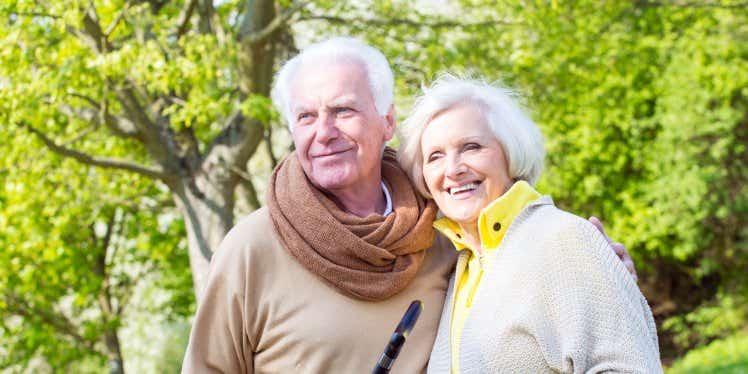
[(463, 163)]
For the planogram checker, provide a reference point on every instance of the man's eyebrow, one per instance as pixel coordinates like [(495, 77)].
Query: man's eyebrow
[(343, 101), (300, 109)]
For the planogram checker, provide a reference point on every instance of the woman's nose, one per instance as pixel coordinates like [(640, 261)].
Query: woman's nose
[(455, 166)]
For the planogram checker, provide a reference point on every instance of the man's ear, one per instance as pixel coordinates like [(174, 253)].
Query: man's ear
[(389, 124)]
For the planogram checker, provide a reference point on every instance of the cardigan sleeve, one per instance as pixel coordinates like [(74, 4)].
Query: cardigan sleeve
[(219, 342), (606, 323)]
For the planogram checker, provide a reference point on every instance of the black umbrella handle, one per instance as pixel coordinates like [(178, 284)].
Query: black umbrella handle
[(392, 350)]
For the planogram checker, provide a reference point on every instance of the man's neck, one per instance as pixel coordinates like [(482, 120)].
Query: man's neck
[(361, 201)]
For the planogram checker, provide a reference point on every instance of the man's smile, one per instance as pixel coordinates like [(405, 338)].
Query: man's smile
[(331, 153)]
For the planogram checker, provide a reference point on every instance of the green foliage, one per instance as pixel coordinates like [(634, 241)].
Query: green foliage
[(55, 212), (52, 75), (54, 215), (711, 321), (260, 108), (729, 355), (644, 108)]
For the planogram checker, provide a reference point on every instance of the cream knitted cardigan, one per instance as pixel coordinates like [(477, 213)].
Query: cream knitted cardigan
[(555, 298)]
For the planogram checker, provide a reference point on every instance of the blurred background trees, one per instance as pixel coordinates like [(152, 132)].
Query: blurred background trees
[(135, 132)]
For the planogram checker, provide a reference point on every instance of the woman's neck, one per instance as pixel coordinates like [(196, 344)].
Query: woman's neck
[(471, 236)]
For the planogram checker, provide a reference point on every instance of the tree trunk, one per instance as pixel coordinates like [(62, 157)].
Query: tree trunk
[(207, 208), (116, 365), (207, 200)]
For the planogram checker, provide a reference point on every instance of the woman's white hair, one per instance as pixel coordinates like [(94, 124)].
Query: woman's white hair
[(518, 134), (331, 51)]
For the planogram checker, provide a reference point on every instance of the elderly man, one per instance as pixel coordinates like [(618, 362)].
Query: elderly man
[(316, 281)]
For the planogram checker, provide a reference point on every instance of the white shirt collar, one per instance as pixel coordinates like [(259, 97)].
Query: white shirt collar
[(388, 208)]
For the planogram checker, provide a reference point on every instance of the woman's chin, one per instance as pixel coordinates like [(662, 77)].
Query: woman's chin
[(462, 216)]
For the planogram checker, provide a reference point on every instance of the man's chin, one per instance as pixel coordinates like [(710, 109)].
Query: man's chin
[(332, 181)]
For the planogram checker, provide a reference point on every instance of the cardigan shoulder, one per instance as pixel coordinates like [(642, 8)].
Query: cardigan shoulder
[(575, 253), (599, 300), (563, 236)]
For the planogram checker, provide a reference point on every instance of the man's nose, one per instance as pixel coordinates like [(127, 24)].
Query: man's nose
[(327, 129)]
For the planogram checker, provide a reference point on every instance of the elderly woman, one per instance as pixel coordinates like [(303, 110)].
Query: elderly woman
[(536, 289)]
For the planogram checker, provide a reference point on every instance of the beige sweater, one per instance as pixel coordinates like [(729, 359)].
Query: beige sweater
[(556, 298), (263, 312)]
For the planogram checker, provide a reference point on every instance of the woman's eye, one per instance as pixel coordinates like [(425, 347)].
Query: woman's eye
[(471, 146), (433, 157)]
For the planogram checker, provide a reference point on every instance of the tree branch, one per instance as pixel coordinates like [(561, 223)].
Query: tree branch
[(116, 21), (403, 21), (205, 23), (127, 289), (110, 229), (101, 268), (184, 18), (156, 139), (247, 200), (270, 28), (236, 142), (268, 136), (36, 14), (93, 34), (120, 126), (56, 320), (103, 162)]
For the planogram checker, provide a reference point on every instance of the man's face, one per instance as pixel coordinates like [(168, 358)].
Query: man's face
[(337, 131)]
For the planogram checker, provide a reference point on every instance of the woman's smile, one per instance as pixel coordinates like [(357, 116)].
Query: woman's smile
[(464, 191), (464, 164)]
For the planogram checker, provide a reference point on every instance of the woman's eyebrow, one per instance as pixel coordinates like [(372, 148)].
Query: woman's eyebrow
[(472, 137)]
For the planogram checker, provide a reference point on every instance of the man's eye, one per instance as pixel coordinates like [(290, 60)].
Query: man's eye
[(303, 116), (343, 109)]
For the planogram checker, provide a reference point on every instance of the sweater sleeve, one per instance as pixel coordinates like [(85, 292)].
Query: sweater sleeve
[(219, 342), (606, 324)]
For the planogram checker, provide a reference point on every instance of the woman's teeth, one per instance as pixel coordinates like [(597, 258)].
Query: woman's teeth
[(466, 187)]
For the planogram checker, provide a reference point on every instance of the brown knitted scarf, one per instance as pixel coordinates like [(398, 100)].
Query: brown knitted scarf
[(370, 258)]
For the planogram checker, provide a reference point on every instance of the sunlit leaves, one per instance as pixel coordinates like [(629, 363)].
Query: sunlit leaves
[(260, 108)]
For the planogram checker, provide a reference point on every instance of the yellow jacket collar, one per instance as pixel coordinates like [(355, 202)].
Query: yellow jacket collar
[(494, 219)]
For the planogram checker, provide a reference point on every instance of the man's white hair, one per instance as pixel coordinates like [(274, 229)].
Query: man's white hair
[(519, 136), (331, 51)]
